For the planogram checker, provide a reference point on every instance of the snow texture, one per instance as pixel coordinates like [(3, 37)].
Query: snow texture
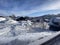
[(15, 33)]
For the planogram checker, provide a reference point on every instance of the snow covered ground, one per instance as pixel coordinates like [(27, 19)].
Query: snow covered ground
[(26, 38), (15, 33), (2, 19)]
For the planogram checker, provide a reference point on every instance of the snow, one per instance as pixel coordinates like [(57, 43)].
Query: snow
[(45, 39), (32, 36), (24, 37), (5, 31), (2, 19), (12, 31), (6, 39), (12, 22), (7, 36)]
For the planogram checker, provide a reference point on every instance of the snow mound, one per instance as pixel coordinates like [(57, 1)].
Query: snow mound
[(11, 21), (2, 19)]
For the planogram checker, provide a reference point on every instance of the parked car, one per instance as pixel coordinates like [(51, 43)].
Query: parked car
[(54, 24)]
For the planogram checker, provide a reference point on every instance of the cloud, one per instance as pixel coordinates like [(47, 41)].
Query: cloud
[(28, 7), (52, 6)]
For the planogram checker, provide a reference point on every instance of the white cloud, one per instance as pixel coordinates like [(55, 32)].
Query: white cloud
[(50, 5), (54, 5)]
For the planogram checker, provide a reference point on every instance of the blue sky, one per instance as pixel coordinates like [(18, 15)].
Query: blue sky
[(29, 7)]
